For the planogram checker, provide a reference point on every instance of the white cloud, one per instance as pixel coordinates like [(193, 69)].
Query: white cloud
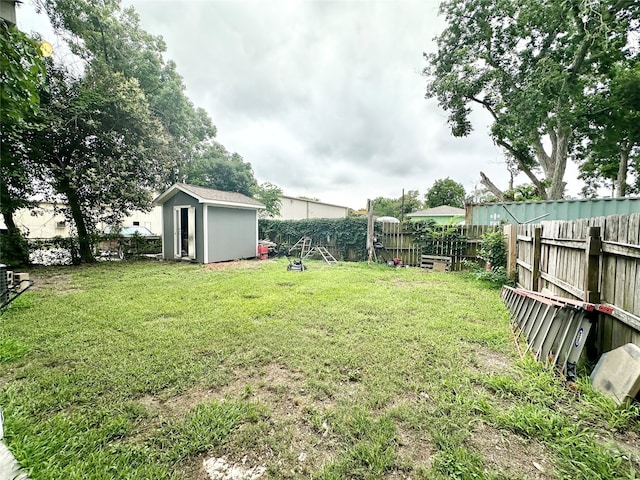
[(323, 98)]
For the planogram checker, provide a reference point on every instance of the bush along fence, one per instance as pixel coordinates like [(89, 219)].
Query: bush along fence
[(346, 238), (65, 250), (596, 260), (54, 251)]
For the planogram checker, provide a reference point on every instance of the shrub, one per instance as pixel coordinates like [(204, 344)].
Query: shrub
[(14, 249), (54, 251), (438, 239), (493, 250)]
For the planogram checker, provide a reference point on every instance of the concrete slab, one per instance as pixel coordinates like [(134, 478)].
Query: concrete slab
[(9, 468), (617, 373)]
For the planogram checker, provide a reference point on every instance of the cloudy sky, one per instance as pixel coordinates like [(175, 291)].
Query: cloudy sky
[(324, 98)]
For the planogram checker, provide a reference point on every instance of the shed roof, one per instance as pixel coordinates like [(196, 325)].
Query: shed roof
[(210, 196), (441, 211)]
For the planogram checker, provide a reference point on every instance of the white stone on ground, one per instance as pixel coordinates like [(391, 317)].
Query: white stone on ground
[(220, 469)]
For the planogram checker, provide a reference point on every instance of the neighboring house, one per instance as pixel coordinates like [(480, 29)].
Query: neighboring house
[(206, 226), (443, 215), (43, 221), (292, 208), (8, 11)]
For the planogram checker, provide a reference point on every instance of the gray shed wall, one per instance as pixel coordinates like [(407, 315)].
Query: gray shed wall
[(181, 199), (232, 233)]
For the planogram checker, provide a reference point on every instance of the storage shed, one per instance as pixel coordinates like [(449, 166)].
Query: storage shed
[(206, 226)]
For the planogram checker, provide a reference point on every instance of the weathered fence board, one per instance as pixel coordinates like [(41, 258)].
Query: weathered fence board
[(460, 243), (596, 260)]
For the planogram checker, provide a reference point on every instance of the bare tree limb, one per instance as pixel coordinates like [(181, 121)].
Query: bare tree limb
[(554, 142), (486, 105), (491, 187), (623, 167), (546, 162), (521, 159)]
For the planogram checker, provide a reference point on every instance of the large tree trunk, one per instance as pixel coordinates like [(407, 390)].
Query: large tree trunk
[(623, 167), (84, 239), (553, 165), (14, 248), (556, 191)]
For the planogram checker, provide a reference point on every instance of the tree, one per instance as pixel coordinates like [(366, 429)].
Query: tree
[(270, 196), (530, 64), (481, 195), (445, 192), (218, 169), (393, 207), (123, 127), (522, 193), (613, 153), (102, 32), (21, 71), (385, 207), (411, 201), (96, 147)]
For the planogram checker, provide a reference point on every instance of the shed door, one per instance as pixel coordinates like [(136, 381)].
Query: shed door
[(184, 232)]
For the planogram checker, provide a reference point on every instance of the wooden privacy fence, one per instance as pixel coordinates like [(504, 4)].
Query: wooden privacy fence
[(596, 260), (459, 242)]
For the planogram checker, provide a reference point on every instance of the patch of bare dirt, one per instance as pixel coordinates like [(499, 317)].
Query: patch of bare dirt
[(288, 441), (516, 456), (628, 443), (482, 359), (236, 264), (409, 400), (62, 284), (273, 385), (414, 448)]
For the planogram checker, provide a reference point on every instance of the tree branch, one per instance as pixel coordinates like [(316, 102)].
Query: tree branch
[(491, 187), (546, 44), (520, 159), (544, 160), (585, 43), (554, 142), (485, 104)]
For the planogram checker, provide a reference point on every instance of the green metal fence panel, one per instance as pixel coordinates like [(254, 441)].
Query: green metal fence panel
[(535, 212)]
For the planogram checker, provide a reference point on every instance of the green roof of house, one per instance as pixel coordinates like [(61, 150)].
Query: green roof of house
[(441, 211)]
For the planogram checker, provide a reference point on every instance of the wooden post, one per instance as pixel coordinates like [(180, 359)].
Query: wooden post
[(511, 234), (537, 252), (593, 251), (370, 247)]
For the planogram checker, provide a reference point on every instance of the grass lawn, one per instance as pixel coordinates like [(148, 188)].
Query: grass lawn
[(145, 370)]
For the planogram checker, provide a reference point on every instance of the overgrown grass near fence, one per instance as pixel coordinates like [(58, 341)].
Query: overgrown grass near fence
[(144, 370)]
